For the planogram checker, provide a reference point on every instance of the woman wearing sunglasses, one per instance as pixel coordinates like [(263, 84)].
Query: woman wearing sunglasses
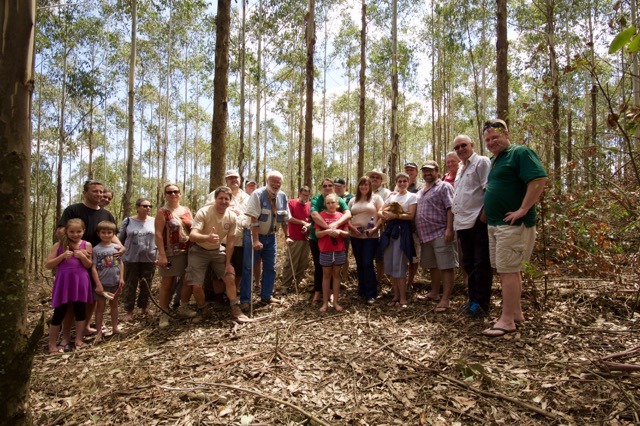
[(137, 233), (172, 227)]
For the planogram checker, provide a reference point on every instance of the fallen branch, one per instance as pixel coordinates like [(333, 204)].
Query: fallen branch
[(478, 391), (279, 401), (622, 354)]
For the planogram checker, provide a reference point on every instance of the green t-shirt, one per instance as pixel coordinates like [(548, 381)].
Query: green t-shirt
[(510, 173), (317, 205)]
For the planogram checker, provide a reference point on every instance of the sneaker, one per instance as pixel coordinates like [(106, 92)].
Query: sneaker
[(185, 312), (270, 300), (476, 311), (371, 301), (245, 306), (164, 321)]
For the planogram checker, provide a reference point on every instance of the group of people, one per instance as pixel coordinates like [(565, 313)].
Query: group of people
[(488, 204)]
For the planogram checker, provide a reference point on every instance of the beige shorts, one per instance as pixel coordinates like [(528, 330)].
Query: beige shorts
[(199, 261), (438, 254), (178, 265), (509, 246)]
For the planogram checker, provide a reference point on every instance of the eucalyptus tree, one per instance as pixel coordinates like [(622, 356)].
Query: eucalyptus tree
[(17, 348), (502, 62), (310, 38)]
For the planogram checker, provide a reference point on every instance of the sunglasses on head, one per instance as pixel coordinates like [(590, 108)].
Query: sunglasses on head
[(462, 145), (172, 192), (494, 125)]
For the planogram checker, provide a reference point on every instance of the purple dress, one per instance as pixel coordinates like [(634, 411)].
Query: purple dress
[(72, 282)]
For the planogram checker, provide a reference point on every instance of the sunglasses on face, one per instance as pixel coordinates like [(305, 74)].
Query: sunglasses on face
[(494, 125), (176, 192), (375, 177), (146, 206), (462, 145), (327, 186)]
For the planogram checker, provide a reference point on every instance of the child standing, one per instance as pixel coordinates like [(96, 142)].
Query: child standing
[(72, 287), (332, 252), (108, 275)]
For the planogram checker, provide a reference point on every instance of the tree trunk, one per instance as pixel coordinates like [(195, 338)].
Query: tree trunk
[(502, 70), (555, 89), (363, 77), (220, 85), (258, 93), (310, 38), (17, 349), (242, 84), (393, 155), (126, 199)]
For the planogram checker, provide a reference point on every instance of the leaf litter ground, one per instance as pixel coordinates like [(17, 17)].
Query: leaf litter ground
[(369, 365)]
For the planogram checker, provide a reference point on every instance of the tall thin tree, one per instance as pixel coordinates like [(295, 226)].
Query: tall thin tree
[(17, 349), (220, 87)]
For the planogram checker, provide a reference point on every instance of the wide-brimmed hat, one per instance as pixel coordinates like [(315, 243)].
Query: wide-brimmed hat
[(385, 178)]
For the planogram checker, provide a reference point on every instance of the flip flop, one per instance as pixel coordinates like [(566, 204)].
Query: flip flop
[(442, 309), (501, 332), (393, 303)]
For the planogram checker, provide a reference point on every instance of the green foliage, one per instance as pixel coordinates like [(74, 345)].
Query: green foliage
[(622, 39)]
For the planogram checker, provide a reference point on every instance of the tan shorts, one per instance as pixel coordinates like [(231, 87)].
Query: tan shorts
[(199, 261), (438, 254), (178, 265), (509, 246)]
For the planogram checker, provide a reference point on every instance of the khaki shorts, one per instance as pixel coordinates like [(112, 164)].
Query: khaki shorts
[(178, 265), (199, 261), (509, 246), (438, 254)]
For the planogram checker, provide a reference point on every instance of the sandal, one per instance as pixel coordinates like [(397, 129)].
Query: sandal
[(442, 309), (393, 303)]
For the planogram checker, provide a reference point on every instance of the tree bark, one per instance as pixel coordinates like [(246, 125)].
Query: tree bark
[(502, 71), (17, 348), (310, 38), (393, 155), (220, 85), (363, 79), (126, 200)]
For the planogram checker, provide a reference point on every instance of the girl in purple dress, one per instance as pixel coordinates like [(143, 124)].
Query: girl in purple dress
[(72, 287)]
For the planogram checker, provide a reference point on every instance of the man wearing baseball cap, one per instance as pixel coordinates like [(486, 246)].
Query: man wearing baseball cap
[(434, 226)]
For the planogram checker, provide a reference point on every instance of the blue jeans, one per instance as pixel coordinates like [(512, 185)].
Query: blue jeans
[(364, 251), (475, 260), (268, 255)]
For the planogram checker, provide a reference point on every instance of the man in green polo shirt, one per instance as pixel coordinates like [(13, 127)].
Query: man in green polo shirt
[(516, 181)]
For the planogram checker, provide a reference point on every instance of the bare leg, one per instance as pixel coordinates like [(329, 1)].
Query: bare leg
[(436, 279), (413, 270), (100, 305), (511, 293), (401, 284), (326, 287), (336, 287), (54, 332), (79, 333), (113, 306), (185, 295), (67, 322), (91, 307), (447, 282)]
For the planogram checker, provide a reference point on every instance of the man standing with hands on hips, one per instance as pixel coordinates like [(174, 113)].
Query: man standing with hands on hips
[(516, 181)]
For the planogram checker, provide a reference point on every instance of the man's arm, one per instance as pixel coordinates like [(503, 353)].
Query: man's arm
[(448, 233), (534, 190)]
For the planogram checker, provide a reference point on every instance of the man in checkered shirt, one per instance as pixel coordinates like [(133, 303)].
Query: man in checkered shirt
[(434, 225)]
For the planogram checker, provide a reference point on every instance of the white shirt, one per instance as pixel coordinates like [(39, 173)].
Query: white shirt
[(468, 198)]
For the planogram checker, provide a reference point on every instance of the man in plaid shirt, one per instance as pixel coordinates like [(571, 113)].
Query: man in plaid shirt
[(434, 225)]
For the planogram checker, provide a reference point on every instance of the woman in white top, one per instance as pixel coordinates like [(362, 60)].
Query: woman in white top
[(364, 233), (397, 239)]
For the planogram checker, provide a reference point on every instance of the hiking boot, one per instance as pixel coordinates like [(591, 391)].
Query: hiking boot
[(164, 321), (245, 306), (185, 312)]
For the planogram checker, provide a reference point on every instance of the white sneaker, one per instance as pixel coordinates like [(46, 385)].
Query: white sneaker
[(164, 320), (185, 312)]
